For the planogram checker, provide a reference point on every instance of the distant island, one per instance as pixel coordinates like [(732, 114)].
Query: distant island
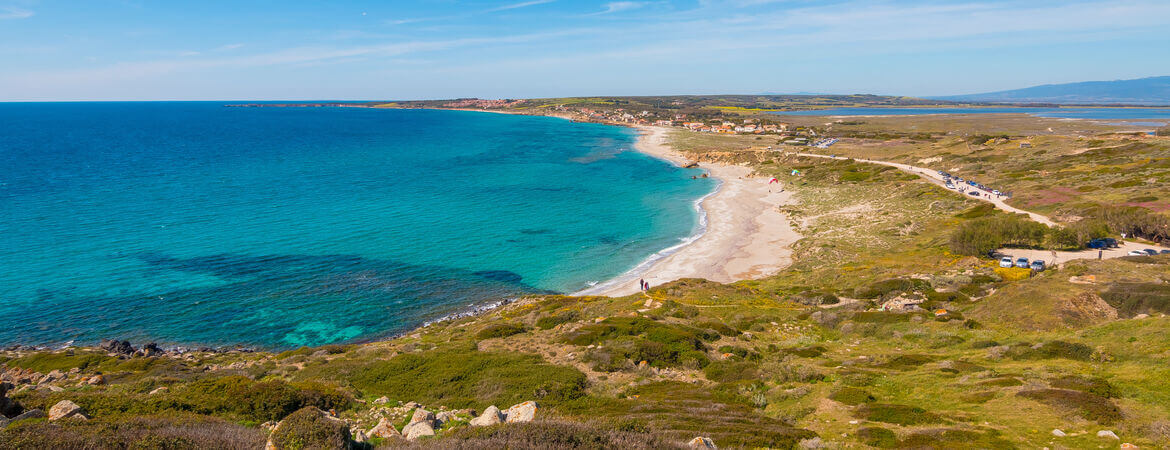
[(1141, 91)]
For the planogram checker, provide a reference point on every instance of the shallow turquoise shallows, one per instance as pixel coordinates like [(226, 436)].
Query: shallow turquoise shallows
[(200, 224)]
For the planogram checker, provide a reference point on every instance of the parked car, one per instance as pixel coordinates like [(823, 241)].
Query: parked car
[(1022, 263), (996, 192), (1098, 244), (973, 193), (1165, 252), (1038, 265), (1150, 251), (1006, 261), (1110, 242), (1136, 253)]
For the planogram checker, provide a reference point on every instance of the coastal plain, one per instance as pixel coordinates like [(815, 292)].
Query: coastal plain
[(857, 308)]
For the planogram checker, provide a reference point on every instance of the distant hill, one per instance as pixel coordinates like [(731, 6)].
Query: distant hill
[(1142, 91)]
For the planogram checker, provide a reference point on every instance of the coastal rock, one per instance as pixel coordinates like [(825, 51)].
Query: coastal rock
[(117, 347), (8, 407), (151, 350), (702, 443), (417, 430), (490, 416), (384, 429), (422, 415), (523, 412), (65, 409)]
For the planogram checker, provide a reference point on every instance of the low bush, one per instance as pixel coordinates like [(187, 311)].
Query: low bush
[(175, 431), (550, 434), (1131, 299), (877, 437), (1092, 385), (1052, 349), (548, 322), (309, 428), (896, 414), (852, 396), (464, 377), (730, 371), (500, 330), (1083, 404), (886, 288)]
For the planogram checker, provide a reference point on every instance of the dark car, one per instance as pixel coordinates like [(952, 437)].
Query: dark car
[(1164, 252), (1098, 244), (974, 193), (1150, 251), (1110, 242)]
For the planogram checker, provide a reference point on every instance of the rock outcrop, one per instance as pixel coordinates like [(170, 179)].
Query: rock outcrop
[(65, 409), (422, 415), (702, 443), (490, 416), (117, 347)]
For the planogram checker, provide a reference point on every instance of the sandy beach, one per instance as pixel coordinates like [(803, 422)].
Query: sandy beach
[(747, 236)]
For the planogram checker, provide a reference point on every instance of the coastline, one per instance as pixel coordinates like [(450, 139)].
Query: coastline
[(743, 234)]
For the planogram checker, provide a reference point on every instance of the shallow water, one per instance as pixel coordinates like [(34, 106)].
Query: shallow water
[(195, 223)]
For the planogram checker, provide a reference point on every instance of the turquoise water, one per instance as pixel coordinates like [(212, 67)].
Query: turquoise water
[(199, 224), (1063, 113)]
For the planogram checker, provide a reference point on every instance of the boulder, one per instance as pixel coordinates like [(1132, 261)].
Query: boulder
[(702, 442), (412, 405), (812, 443), (359, 435), (309, 427), (30, 414), (151, 349), (490, 416), (65, 409), (418, 429), (382, 400), (523, 412), (96, 380), (1107, 434), (384, 429), (117, 347), (422, 415), (8, 407), (1058, 432)]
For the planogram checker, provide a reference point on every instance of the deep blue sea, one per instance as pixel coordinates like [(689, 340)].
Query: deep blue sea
[(1063, 113), (192, 223)]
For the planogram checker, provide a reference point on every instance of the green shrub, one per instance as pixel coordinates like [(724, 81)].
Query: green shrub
[(888, 287), (852, 396), (309, 428), (728, 371), (558, 434), (500, 330), (306, 351), (1088, 406), (1092, 385), (460, 378), (173, 431), (896, 414), (548, 322), (1053, 349), (877, 437), (1131, 299)]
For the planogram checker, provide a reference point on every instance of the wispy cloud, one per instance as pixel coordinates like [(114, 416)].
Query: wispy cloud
[(613, 7), (12, 12), (520, 5)]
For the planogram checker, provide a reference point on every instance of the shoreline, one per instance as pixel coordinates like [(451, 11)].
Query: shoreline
[(743, 235)]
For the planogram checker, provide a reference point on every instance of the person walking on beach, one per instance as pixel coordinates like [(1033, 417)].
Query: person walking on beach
[(641, 284)]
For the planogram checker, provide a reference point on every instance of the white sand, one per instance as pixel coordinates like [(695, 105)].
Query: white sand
[(747, 236)]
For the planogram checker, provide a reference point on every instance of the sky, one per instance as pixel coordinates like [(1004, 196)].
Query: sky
[(398, 49)]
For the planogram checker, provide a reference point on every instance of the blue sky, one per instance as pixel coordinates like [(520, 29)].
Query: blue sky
[(397, 49)]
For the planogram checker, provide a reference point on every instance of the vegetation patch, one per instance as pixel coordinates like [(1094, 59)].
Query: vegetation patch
[(896, 414), (1083, 404), (1092, 385), (731, 371), (174, 431), (500, 330), (1052, 349), (459, 378), (955, 438), (907, 362), (852, 396), (877, 437), (1131, 299), (552, 434), (309, 428)]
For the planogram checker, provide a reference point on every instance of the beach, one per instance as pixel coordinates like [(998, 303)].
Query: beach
[(746, 236)]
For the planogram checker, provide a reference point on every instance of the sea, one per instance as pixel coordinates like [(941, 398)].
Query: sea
[(1143, 116), (199, 224)]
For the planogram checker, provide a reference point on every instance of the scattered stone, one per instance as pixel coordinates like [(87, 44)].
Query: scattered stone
[(96, 380), (382, 400), (422, 415), (444, 417), (151, 350), (417, 430), (523, 412), (702, 442), (1141, 316), (65, 409), (491, 416), (384, 429), (1107, 434), (159, 390), (1058, 433), (812, 443), (411, 405)]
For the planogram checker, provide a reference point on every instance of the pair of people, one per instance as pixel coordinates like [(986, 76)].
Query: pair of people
[(643, 285)]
